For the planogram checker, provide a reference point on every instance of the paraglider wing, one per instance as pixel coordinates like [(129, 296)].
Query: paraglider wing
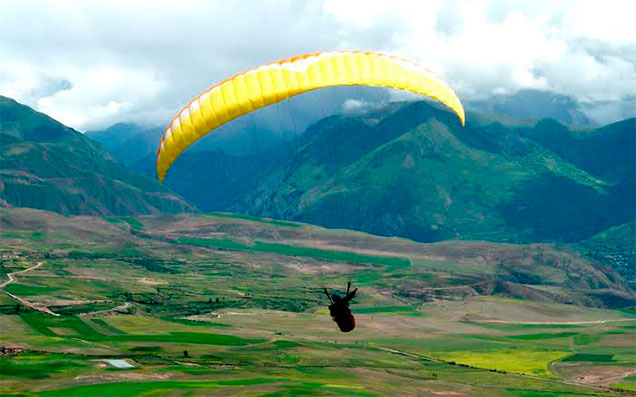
[(277, 81)]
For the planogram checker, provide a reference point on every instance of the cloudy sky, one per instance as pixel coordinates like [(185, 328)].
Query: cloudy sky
[(90, 64)]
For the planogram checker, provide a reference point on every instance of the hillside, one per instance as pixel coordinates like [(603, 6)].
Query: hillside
[(615, 247), (128, 143), (414, 272), (49, 166), (410, 170)]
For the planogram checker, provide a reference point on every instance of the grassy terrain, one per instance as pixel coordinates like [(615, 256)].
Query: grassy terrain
[(270, 221), (628, 384), (290, 250), (222, 305)]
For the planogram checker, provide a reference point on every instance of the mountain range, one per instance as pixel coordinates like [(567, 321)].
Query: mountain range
[(410, 170), (406, 169), (49, 166), (268, 127)]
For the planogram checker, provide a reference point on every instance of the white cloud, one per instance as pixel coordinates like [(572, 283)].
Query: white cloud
[(93, 63), (585, 49), (357, 106), (103, 94)]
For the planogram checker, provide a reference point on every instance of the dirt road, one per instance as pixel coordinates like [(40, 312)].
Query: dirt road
[(25, 302), (121, 307), (12, 275)]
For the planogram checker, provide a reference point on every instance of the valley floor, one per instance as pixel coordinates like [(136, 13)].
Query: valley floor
[(153, 306)]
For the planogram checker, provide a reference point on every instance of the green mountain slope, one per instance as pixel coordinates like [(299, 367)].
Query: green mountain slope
[(416, 173), (49, 166), (410, 170), (615, 247)]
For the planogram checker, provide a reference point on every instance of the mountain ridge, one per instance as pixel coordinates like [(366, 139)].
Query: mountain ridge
[(509, 160), (492, 179), (410, 170), (49, 166)]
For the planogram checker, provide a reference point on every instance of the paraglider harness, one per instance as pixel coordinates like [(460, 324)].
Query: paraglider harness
[(339, 309)]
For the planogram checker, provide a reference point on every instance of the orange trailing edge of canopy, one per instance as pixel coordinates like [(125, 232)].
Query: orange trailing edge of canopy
[(277, 81)]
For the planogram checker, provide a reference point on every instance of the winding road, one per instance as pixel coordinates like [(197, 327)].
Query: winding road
[(25, 302), (12, 275)]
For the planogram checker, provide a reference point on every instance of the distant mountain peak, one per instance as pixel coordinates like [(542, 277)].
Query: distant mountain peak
[(534, 104)]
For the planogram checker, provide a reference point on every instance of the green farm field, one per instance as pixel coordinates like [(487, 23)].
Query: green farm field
[(231, 305)]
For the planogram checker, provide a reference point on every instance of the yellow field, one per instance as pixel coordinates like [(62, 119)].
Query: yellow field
[(527, 362)]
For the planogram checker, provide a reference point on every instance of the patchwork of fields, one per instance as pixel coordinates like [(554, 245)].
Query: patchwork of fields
[(205, 305)]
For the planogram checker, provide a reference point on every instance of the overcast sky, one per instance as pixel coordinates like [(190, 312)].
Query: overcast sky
[(92, 63)]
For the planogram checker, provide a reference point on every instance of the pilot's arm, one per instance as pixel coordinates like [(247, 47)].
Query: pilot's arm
[(351, 295)]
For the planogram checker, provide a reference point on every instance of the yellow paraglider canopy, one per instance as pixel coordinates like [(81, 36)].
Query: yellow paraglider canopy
[(277, 81)]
